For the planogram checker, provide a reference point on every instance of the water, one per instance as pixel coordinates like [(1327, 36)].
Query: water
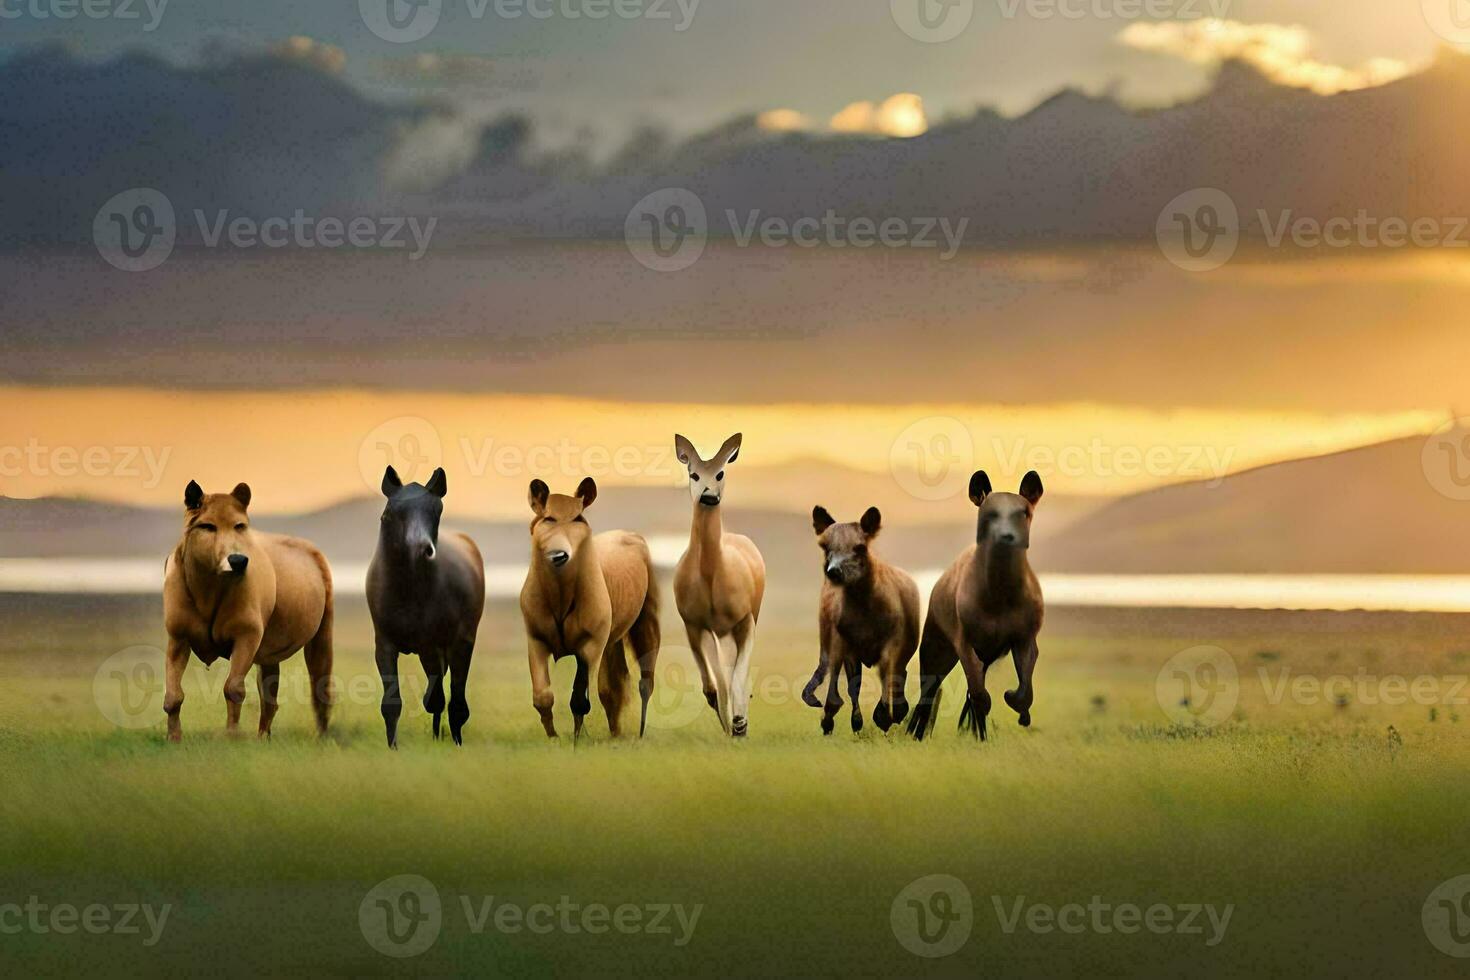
[(1412, 593)]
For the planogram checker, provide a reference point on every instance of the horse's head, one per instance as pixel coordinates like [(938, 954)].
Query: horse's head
[(707, 477), (845, 546), (217, 539), (1005, 518), (410, 522), (559, 530)]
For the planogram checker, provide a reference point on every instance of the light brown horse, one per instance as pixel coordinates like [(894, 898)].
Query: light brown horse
[(237, 594), (869, 617), (986, 605), (583, 597), (718, 587)]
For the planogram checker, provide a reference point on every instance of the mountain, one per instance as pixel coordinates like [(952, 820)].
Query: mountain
[(1374, 509)]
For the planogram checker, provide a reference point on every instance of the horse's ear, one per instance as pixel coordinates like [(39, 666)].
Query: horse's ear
[(872, 521), (538, 496), (587, 490), (193, 496), (438, 484), (1031, 487), (242, 494), (684, 450), (391, 482), (821, 520), (979, 488), (730, 451)]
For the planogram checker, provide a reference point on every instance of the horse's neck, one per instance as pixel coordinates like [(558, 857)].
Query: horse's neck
[(1003, 570), (706, 540), (562, 586), (205, 588)]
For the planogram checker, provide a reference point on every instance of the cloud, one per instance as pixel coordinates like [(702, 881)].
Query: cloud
[(900, 115), (435, 66), (323, 57), (783, 121), (1283, 53)]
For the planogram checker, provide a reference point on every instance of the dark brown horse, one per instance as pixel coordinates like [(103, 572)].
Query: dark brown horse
[(986, 605), (426, 593)]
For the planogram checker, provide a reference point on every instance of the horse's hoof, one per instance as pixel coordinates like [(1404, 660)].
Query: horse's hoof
[(827, 726), (857, 723), (1025, 719), (809, 697)]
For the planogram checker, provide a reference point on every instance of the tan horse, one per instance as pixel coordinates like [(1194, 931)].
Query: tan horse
[(869, 617), (254, 599), (718, 586), (583, 597)]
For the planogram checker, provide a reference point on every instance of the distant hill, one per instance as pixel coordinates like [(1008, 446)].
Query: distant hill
[(1365, 510)]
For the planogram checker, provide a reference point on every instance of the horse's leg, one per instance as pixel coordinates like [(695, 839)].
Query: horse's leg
[(977, 704), (459, 672), (837, 660), (173, 684), (645, 638), (722, 672), (242, 658), (612, 685), (937, 657), (319, 658), (1020, 699), (587, 662), (744, 636), (268, 683), (855, 690), (542, 695), (892, 708), (701, 660), (387, 658), (434, 700), (809, 693)]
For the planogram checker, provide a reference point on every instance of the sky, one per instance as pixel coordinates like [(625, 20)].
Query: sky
[(710, 60)]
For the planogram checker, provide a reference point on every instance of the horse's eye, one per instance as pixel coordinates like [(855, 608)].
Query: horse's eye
[(207, 527), (861, 550), (239, 527), (720, 475), (548, 520), (693, 475)]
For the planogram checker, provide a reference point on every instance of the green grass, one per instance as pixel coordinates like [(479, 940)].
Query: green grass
[(1324, 829)]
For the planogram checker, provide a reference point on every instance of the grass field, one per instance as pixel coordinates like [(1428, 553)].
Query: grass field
[(1322, 821)]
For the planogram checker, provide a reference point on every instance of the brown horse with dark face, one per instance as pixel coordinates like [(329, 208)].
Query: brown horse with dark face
[(986, 605), (254, 599), (426, 594)]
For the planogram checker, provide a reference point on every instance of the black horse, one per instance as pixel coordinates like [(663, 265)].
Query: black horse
[(426, 596)]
